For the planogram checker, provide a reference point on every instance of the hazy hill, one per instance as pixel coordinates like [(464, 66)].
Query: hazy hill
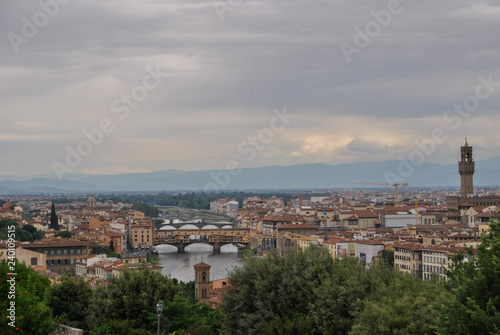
[(316, 175)]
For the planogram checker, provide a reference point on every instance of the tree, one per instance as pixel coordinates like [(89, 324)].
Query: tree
[(54, 221), (475, 288), (312, 293), (36, 233), (22, 234), (388, 257), (32, 296), (63, 234), (276, 292), (70, 301), (398, 304), (148, 210), (132, 296)]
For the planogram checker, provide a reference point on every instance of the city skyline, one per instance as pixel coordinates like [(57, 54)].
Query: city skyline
[(260, 83)]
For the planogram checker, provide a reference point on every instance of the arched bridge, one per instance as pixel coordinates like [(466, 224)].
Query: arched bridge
[(198, 224), (216, 237)]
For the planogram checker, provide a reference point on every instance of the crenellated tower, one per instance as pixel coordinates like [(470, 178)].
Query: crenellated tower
[(466, 169)]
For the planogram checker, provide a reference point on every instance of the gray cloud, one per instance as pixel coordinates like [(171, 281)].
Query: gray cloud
[(225, 78)]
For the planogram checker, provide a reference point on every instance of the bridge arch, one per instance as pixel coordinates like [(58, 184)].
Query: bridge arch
[(167, 227), (188, 227), (209, 226)]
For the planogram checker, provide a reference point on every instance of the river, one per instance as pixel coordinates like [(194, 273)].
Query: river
[(180, 266)]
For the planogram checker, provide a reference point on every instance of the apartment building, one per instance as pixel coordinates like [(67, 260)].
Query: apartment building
[(408, 258), (61, 253)]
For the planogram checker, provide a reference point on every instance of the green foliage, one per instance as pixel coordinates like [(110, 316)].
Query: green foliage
[(191, 200), (248, 253), (54, 221), (102, 249), (388, 258), (148, 210), (475, 288), (63, 234), (273, 286), (399, 304), (283, 325), (340, 297), (132, 296), (32, 296), (186, 288), (26, 234), (312, 293), (36, 233), (70, 301)]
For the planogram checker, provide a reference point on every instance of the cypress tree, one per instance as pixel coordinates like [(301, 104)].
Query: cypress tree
[(54, 221)]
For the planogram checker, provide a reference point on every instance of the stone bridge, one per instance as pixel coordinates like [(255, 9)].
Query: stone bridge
[(209, 234)]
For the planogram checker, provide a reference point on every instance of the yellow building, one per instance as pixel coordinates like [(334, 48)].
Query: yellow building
[(141, 235)]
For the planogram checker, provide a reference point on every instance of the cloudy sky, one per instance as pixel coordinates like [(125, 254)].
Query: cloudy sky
[(354, 88)]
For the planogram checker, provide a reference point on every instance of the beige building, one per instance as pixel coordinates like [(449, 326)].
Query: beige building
[(408, 258), (141, 235), (61, 253), (35, 260)]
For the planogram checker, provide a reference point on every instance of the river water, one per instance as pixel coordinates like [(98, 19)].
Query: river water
[(180, 266)]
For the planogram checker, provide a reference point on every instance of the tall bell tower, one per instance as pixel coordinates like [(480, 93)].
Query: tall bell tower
[(202, 282), (466, 170)]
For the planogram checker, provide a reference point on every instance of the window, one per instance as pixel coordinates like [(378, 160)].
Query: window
[(34, 261)]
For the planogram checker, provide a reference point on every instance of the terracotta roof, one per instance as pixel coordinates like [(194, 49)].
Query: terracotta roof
[(296, 226), (335, 240), (202, 265), (488, 215), (54, 243), (365, 213)]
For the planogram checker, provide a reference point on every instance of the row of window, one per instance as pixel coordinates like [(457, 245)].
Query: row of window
[(439, 260), (404, 258), (63, 252), (433, 269), (61, 261), (403, 266)]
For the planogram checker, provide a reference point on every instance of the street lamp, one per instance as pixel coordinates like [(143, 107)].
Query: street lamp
[(159, 308)]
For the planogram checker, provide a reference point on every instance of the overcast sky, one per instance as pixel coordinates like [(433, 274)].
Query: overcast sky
[(226, 68)]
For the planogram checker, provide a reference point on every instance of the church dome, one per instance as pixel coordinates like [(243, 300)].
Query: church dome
[(7, 205), (91, 202)]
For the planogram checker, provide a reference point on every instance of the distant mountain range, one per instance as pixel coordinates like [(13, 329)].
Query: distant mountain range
[(302, 176)]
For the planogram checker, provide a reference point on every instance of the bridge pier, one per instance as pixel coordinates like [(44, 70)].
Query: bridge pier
[(180, 248), (216, 248)]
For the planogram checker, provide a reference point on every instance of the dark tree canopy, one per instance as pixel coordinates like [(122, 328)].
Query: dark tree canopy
[(33, 314), (475, 288), (312, 293), (54, 221)]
